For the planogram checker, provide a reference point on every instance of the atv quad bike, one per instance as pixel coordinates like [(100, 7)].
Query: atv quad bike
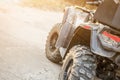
[(87, 42)]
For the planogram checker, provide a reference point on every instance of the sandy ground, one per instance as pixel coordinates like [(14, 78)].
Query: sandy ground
[(23, 33)]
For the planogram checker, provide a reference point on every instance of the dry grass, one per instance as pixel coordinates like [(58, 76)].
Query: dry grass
[(76, 2), (46, 4), (55, 5)]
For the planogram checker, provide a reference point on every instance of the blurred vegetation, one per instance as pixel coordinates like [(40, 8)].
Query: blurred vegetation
[(56, 5), (76, 2), (45, 4)]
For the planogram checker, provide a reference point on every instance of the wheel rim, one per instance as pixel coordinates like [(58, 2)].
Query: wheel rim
[(53, 40), (68, 69)]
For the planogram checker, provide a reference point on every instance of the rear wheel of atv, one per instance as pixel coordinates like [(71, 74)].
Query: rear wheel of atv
[(52, 52), (79, 64)]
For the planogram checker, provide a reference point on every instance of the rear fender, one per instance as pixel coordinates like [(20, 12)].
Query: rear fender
[(97, 47), (88, 36), (81, 36), (71, 37)]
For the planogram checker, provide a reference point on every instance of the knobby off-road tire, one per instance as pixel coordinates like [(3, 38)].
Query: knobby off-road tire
[(79, 64), (52, 53)]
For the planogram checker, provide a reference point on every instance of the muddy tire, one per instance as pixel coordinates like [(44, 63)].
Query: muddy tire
[(79, 64), (52, 53)]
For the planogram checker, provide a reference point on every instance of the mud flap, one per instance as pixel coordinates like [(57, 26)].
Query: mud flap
[(65, 35)]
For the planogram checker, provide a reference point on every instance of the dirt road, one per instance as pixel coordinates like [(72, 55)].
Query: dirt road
[(23, 33)]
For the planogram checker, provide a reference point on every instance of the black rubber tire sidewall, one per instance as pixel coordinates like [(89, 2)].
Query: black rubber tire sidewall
[(71, 55), (56, 58)]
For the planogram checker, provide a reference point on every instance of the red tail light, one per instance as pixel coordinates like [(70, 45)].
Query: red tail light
[(87, 27), (111, 36)]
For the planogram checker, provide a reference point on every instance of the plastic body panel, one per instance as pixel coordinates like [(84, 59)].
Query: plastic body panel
[(89, 37), (109, 13), (97, 47), (82, 33)]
